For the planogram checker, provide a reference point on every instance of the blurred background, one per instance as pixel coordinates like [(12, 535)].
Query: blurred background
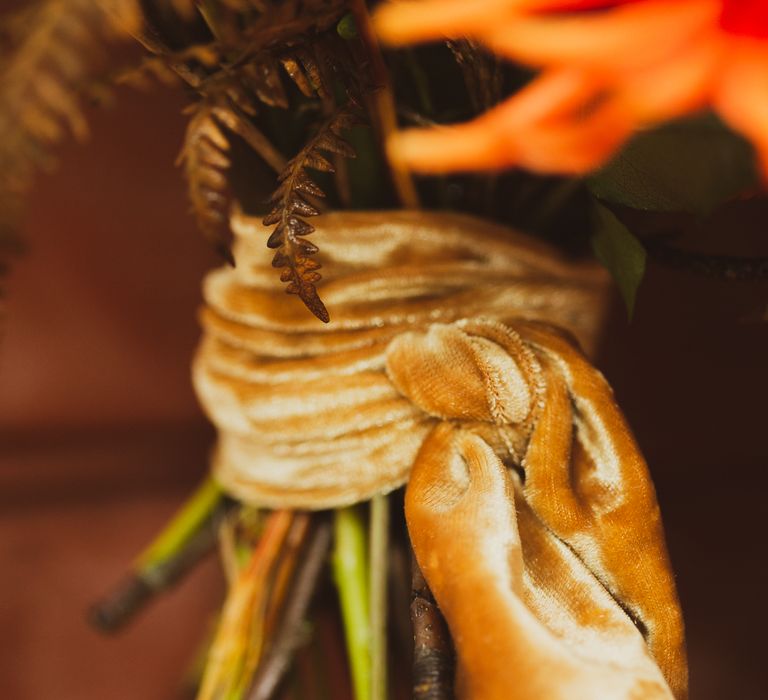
[(101, 437)]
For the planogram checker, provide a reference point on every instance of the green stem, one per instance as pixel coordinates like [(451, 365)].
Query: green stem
[(184, 541), (183, 526), (379, 545), (350, 573)]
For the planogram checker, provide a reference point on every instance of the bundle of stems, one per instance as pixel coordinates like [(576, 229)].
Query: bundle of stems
[(276, 563)]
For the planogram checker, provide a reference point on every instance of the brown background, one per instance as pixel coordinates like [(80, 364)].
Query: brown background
[(100, 435)]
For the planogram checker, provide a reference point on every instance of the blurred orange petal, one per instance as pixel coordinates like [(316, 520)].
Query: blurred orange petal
[(741, 96), (650, 60), (489, 141), (573, 147), (677, 86), (615, 39), (561, 145), (408, 22), (444, 149), (555, 93)]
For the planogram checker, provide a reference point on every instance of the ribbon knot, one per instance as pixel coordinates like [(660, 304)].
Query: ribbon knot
[(470, 370)]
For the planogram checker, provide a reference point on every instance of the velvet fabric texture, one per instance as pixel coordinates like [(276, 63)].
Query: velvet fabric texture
[(451, 359)]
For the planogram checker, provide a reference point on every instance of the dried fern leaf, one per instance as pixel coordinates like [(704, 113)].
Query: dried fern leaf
[(235, 119), (170, 67), (194, 75), (148, 73), (296, 74), (289, 22), (54, 49), (302, 65), (207, 160), (290, 205), (41, 81), (263, 77)]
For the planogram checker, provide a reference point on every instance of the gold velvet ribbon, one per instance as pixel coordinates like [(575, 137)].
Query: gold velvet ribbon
[(451, 361), (584, 601)]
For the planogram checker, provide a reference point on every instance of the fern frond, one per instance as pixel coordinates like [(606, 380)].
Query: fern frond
[(207, 159), (307, 66), (41, 81), (264, 78), (291, 21), (172, 67), (54, 48), (291, 205), (151, 71)]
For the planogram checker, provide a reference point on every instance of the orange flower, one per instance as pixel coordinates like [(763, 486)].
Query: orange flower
[(607, 68)]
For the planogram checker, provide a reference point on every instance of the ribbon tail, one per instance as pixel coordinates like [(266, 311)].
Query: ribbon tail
[(604, 506), (527, 618)]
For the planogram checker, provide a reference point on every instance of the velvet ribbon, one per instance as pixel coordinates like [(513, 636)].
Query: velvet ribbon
[(452, 361)]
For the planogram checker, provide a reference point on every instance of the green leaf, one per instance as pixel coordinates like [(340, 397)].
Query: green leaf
[(346, 28), (620, 252), (691, 165)]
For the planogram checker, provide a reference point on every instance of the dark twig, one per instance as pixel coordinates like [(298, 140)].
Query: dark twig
[(432, 649), (289, 634), (145, 582), (137, 589), (399, 566), (721, 266)]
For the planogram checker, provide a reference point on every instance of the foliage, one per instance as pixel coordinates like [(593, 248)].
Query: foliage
[(691, 165), (291, 204), (51, 50), (620, 252)]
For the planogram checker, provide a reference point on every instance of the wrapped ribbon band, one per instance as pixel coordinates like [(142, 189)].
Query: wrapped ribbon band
[(307, 416)]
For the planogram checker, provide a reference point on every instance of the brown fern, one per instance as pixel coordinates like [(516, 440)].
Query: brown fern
[(264, 78), (288, 22), (41, 80), (207, 160), (291, 204), (246, 64), (230, 98), (171, 67), (55, 49)]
